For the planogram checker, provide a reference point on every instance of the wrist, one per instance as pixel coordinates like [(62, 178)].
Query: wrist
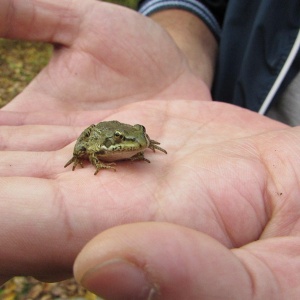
[(194, 39)]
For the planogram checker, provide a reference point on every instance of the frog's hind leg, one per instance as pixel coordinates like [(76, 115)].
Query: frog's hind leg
[(139, 156), (98, 164), (102, 165)]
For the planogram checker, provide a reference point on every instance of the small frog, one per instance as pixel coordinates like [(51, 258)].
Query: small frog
[(111, 141)]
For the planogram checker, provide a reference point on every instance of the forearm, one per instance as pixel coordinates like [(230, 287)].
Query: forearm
[(193, 38)]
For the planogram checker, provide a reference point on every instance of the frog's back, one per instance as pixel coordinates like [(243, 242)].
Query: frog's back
[(112, 126)]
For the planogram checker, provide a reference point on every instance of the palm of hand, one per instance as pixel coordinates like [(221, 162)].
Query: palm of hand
[(223, 175), (105, 64), (210, 180)]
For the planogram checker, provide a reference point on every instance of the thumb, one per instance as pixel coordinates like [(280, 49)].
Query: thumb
[(160, 261)]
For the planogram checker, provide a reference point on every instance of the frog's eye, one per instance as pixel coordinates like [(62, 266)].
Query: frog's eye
[(140, 127), (119, 135)]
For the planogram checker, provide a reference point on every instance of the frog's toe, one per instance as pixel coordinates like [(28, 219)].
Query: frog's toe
[(69, 162), (154, 145), (75, 162), (104, 166), (139, 156), (72, 160)]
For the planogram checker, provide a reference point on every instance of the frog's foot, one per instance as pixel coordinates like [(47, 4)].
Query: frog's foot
[(74, 160), (101, 165), (153, 145), (139, 156)]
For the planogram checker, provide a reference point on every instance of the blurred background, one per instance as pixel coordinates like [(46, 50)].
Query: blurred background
[(19, 63)]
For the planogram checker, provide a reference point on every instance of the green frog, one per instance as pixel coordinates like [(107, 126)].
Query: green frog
[(109, 141)]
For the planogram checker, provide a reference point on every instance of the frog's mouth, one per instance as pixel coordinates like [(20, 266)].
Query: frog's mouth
[(127, 144), (116, 154), (128, 148)]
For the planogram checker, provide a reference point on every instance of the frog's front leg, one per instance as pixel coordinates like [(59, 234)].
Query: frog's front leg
[(154, 145), (139, 156), (76, 160), (95, 161)]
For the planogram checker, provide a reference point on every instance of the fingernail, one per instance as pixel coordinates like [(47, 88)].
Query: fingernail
[(119, 279)]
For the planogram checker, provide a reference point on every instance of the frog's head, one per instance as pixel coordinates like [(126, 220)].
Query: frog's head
[(122, 143)]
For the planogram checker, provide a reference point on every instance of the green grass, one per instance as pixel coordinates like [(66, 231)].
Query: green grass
[(129, 3), (19, 63)]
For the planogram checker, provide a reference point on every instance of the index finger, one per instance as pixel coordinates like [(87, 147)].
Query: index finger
[(44, 20), (69, 118)]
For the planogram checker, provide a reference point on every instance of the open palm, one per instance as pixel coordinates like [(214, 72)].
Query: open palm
[(105, 56), (227, 172)]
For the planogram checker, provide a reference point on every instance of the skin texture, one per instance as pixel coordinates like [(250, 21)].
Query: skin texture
[(225, 200)]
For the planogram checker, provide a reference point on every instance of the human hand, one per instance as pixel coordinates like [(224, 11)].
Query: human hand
[(241, 201), (89, 71), (105, 56), (220, 178), (223, 175), (168, 261)]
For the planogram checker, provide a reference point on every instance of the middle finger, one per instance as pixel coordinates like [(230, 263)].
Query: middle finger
[(37, 137)]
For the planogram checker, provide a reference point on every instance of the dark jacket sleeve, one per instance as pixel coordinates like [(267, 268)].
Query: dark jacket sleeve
[(209, 11), (217, 8)]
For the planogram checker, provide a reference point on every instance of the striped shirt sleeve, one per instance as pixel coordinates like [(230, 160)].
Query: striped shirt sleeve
[(147, 7)]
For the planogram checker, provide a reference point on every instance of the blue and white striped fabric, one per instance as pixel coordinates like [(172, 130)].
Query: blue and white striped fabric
[(150, 6)]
